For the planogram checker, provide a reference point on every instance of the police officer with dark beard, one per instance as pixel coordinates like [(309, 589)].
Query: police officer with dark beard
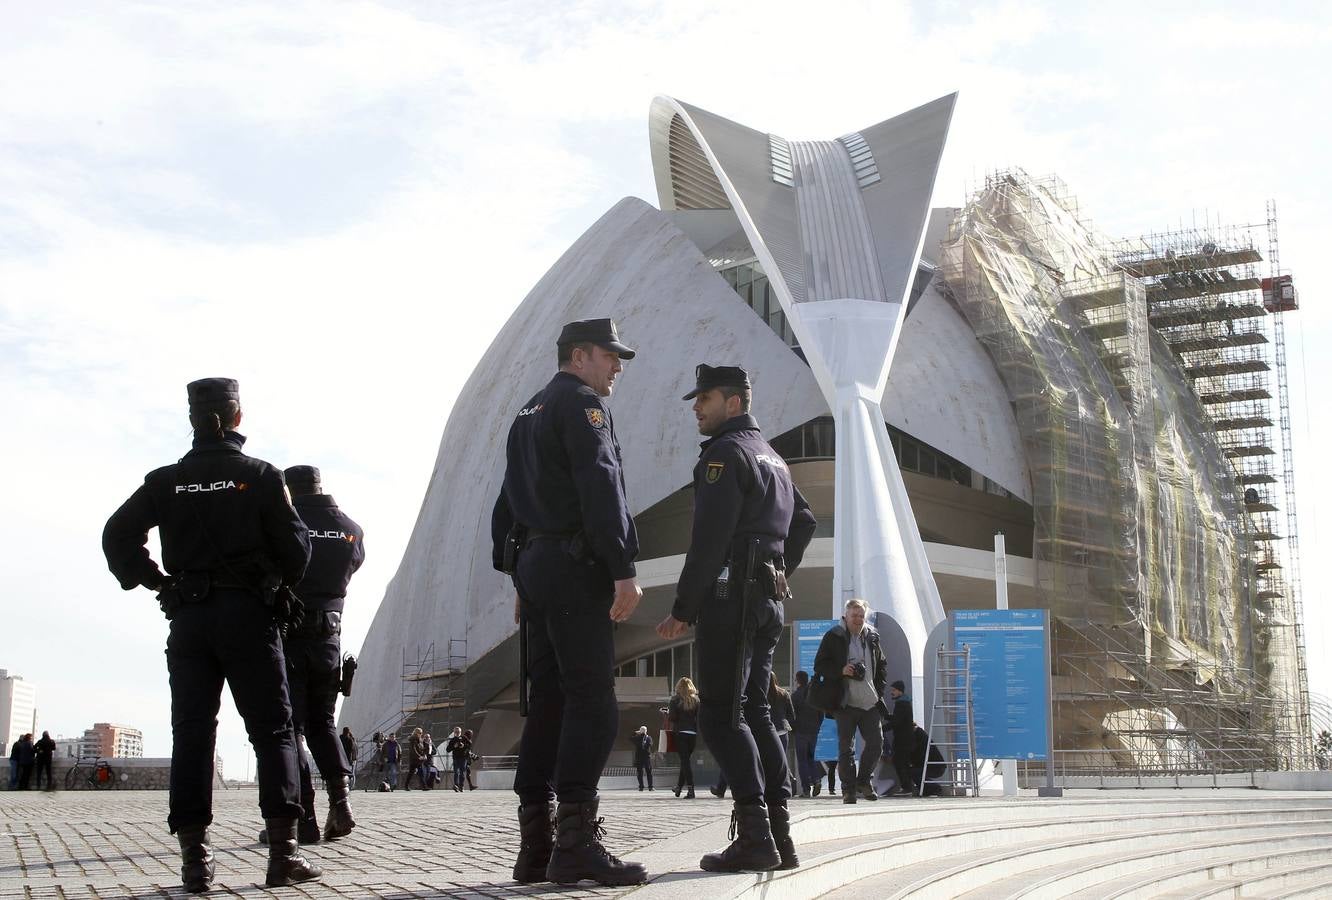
[(314, 652), (746, 512), (231, 544), (563, 510)]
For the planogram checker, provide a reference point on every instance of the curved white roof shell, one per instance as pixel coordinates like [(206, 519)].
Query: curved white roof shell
[(670, 304)]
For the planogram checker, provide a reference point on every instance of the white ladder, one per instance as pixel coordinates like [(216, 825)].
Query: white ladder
[(952, 729)]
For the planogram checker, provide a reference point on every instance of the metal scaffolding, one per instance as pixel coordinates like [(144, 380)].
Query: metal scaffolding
[(1141, 377), (433, 688)]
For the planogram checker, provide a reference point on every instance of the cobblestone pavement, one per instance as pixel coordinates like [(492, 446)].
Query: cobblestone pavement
[(406, 844)]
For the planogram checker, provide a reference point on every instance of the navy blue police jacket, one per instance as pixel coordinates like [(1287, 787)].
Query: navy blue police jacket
[(216, 511), (337, 549), (742, 491), (564, 475)]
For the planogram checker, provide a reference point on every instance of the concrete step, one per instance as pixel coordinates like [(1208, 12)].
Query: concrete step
[(1319, 885), (885, 817), (1060, 869), (1291, 874), (956, 855)]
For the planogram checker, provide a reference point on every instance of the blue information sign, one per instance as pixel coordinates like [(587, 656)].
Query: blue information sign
[(808, 634), (1010, 680)]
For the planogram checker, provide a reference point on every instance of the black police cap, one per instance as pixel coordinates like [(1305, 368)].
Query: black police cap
[(209, 392), (595, 331), (708, 377), (302, 476)]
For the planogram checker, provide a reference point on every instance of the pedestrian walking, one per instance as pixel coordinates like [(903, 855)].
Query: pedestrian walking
[(349, 749), (682, 713), (851, 677), (472, 757), (392, 756)]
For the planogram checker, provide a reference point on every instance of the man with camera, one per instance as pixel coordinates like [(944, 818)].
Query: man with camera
[(850, 676)]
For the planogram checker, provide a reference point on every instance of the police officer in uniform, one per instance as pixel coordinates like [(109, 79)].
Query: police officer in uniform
[(562, 508), (745, 506), (231, 541), (314, 652)]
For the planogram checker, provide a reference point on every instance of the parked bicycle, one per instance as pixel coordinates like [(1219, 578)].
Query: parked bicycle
[(93, 770)]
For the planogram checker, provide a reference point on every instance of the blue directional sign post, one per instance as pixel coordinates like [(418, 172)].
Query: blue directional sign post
[(808, 633), (1010, 680)]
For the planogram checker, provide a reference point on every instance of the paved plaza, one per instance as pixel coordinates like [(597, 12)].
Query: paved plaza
[(406, 844)]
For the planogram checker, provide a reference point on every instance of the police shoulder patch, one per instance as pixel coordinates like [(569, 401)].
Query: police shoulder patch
[(595, 417), (714, 472)]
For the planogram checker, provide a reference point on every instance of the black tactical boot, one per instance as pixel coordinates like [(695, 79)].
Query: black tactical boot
[(578, 852), (286, 866), (307, 832), (339, 822), (536, 823), (751, 849), (779, 818), (196, 858)]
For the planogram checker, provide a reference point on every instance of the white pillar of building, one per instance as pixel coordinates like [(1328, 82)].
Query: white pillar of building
[(878, 553)]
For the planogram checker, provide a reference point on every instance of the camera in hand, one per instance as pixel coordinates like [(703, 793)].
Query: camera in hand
[(858, 671)]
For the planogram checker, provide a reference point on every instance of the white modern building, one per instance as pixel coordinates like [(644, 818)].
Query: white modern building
[(18, 707), (931, 377)]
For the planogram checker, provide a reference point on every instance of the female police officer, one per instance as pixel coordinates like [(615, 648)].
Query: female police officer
[(230, 538)]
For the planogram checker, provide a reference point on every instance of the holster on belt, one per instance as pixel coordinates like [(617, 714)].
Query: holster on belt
[(513, 544), (321, 623), (177, 590)]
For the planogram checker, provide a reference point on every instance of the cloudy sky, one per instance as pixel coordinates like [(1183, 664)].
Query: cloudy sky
[(340, 203)]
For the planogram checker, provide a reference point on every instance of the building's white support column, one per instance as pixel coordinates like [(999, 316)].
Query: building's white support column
[(878, 554)]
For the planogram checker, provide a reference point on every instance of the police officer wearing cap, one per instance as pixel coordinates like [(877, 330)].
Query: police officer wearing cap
[(314, 652), (746, 511), (230, 538), (561, 527)]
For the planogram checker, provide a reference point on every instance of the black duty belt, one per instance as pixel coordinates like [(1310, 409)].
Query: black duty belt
[(536, 535)]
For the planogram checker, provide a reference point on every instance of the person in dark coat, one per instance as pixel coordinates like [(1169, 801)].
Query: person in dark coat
[(416, 756), (472, 757), (27, 755), (313, 650), (903, 723), (851, 677), (348, 741), (751, 527), (783, 720), (232, 547), (805, 735), (45, 752), (643, 756), (392, 755), (683, 716), (458, 747), (921, 773), (561, 528)]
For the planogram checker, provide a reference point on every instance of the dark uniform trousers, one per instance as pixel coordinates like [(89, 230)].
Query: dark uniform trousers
[(572, 715), (314, 676), (750, 757), (229, 636)]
